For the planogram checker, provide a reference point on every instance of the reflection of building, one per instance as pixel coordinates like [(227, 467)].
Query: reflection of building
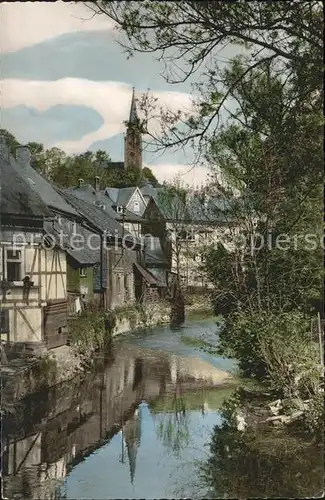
[(51, 433), (132, 436)]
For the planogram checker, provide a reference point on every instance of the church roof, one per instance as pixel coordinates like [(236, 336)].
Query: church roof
[(133, 119)]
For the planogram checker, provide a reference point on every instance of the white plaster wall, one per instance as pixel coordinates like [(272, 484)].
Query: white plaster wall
[(22, 447), (23, 332)]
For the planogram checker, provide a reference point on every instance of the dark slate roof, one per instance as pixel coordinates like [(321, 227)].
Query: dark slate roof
[(44, 189), (97, 217), (160, 275), (124, 196), (16, 196), (120, 196), (112, 193), (63, 232), (147, 275), (149, 190), (88, 193)]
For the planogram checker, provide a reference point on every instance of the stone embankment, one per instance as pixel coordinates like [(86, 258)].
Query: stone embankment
[(30, 374)]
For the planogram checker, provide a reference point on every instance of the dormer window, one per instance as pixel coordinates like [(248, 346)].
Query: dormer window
[(119, 210)]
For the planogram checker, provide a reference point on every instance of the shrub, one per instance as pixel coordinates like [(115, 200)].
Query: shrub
[(246, 336)]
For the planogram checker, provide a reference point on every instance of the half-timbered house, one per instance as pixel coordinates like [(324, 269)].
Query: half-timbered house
[(33, 291)]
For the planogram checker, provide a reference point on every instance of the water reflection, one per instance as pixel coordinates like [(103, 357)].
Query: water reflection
[(63, 431)]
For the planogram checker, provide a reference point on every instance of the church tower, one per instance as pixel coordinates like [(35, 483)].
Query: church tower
[(133, 139)]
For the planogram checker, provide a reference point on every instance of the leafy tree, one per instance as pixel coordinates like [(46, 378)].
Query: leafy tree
[(65, 171), (188, 37), (148, 176), (257, 120), (11, 140)]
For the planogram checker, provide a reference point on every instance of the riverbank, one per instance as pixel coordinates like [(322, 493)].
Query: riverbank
[(88, 335), (264, 449)]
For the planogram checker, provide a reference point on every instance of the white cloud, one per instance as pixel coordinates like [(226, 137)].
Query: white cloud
[(110, 99), (193, 176), (26, 23)]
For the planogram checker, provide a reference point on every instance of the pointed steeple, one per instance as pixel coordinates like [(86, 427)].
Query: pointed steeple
[(133, 138), (132, 433), (133, 120)]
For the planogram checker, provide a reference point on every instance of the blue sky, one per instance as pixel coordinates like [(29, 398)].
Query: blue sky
[(66, 82)]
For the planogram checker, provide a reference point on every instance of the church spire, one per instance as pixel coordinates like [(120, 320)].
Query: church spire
[(133, 139), (133, 120)]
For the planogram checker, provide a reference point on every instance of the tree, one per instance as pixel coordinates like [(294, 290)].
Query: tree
[(273, 153), (148, 176), (188, 36), (65, 171), (11, 140), (172, 204)]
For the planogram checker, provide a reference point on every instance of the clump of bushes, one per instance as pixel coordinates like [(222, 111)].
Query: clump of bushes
[(87, 331)]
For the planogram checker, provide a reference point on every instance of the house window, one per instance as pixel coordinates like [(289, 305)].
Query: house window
[(14, 265), (136, 206), (83, 272), (118, 284), (119, 210), (127, 228), (126, 286), (183, 235)]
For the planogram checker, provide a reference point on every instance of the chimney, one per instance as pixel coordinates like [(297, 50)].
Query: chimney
[(23, 155), (80, 182), (97, 183), (4, 148)]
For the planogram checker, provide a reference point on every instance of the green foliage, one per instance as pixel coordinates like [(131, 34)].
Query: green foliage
[(45, 371), (267, 464), (248, 337), (87, 331), (311, 423), (65, 171), (188, 38)]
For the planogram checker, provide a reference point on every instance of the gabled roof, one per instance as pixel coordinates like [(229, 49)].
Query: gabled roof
[(88, 193), (120, 196), (17, 198), (149, 190), (124, 196), (97, 217), (44, 188), (112, 193), (63, 233), (170, 206)]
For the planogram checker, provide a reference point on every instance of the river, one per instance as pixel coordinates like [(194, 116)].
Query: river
[(134, 428)]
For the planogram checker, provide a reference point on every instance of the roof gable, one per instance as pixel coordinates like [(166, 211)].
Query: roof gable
[(43, 187), (137, 191), (17, 197)]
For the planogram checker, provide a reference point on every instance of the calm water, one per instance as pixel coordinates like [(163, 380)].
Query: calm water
[(135, 428)]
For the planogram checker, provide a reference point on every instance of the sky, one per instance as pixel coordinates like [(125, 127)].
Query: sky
[(66, 82)]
